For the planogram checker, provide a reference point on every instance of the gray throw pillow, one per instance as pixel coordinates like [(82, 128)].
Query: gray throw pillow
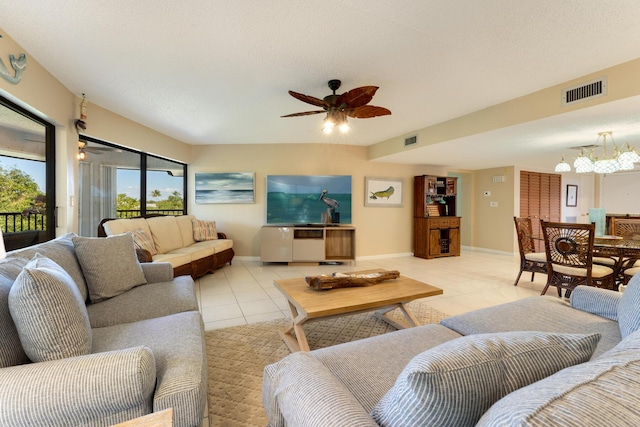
[(454, 383), (628, 313), (110, 265), (49, 312)]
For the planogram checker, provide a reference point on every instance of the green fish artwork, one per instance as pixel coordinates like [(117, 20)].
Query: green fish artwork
[(380, 194)]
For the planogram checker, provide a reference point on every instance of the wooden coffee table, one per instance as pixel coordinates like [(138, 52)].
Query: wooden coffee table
[(307, 304)]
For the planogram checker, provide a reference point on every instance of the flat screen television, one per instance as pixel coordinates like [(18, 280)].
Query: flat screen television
[(301, 199)]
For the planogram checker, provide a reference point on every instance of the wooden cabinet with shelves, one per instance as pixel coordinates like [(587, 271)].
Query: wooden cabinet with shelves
[(307, 244), (436, 231)]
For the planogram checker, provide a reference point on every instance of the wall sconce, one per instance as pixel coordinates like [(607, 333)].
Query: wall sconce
[(82, 155)]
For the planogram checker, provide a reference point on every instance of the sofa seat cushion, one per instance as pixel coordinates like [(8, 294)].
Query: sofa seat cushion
[(602, 392), (453, 384), (218, 245), (165, 233), (177, 343), (196, 252), (364, 375), (120, 226), (174, 258), (110, 265), (357, 366), (543, 313), (49, 312), (145, 302)]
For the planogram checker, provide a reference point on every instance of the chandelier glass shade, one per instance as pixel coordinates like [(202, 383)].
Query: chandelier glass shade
[(588, 162)]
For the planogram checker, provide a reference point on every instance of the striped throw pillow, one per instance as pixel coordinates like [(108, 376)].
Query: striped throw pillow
[(602, 392), (49, 312), (143, 241), (204, 230), (455, 383)]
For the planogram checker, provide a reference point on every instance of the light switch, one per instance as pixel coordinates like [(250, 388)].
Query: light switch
[(493, 204)]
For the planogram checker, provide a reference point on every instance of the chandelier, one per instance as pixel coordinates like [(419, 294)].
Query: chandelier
[(587, 161)]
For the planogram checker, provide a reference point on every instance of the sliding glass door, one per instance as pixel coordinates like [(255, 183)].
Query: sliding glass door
[(27, 171), (116, 182)]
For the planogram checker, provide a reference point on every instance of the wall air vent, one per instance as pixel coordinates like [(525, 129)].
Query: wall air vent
[(584, 91), (410, 141)]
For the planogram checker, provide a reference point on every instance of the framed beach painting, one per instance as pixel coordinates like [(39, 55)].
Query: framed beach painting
[(225, 187), (383, 192)]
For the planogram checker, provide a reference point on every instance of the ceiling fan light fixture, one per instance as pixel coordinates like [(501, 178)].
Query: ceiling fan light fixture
[(82, 155)]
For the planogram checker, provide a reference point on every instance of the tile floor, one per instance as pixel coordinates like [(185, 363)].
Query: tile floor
[(244, 293)]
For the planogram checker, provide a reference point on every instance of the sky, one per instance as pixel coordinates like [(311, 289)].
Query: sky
[(128, 181)]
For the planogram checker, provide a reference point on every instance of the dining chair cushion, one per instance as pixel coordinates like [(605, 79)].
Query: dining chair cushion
[(597, 271), (632, 271), (536, 256), (612, 261)]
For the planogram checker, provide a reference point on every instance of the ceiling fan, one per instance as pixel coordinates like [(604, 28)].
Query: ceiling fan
[(352, 103)]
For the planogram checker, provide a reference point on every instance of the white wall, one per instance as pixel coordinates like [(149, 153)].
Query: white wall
[(621, 193)]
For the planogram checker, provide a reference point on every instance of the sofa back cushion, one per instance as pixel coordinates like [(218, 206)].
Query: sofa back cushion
[(165, 233), (120, 226), (628, 313), (49, 312), (186, 229), (602, 392), (61, 251), (454, 383), (11, 351)]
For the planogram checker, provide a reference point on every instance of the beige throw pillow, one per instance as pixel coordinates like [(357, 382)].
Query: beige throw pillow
[(143, 241), (204, 230)]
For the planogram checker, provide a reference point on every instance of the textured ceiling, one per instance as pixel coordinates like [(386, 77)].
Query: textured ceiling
[(218, 72)]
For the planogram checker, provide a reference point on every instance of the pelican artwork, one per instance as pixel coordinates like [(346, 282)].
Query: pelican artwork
[(332, 203), (380, 194)]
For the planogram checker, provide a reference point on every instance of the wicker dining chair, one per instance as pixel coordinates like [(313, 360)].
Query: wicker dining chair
[(530, 260), (628, 229), (569, 250)]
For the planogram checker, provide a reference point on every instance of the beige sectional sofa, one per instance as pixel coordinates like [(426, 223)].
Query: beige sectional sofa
[(172, 241)]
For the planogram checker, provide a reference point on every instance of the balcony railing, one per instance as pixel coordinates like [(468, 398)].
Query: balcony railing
[(13, 222), (130, 213)]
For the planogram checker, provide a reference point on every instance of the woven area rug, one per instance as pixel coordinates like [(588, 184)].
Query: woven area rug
[(237, 356)]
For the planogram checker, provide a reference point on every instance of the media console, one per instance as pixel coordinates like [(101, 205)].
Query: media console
[(307, 243)]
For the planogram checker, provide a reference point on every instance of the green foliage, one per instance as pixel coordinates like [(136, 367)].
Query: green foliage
[(174, 201), (19, 192), (126, 203)]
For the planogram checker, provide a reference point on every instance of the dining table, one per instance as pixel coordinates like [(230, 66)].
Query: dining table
[(624, 252)]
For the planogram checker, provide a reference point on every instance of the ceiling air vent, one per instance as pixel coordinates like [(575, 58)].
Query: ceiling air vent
[(584, 91), (410, 141)]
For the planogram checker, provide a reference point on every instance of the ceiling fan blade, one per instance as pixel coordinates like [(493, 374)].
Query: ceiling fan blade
[(309, 99), (306, 113), (357, 97), (367, 111)]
